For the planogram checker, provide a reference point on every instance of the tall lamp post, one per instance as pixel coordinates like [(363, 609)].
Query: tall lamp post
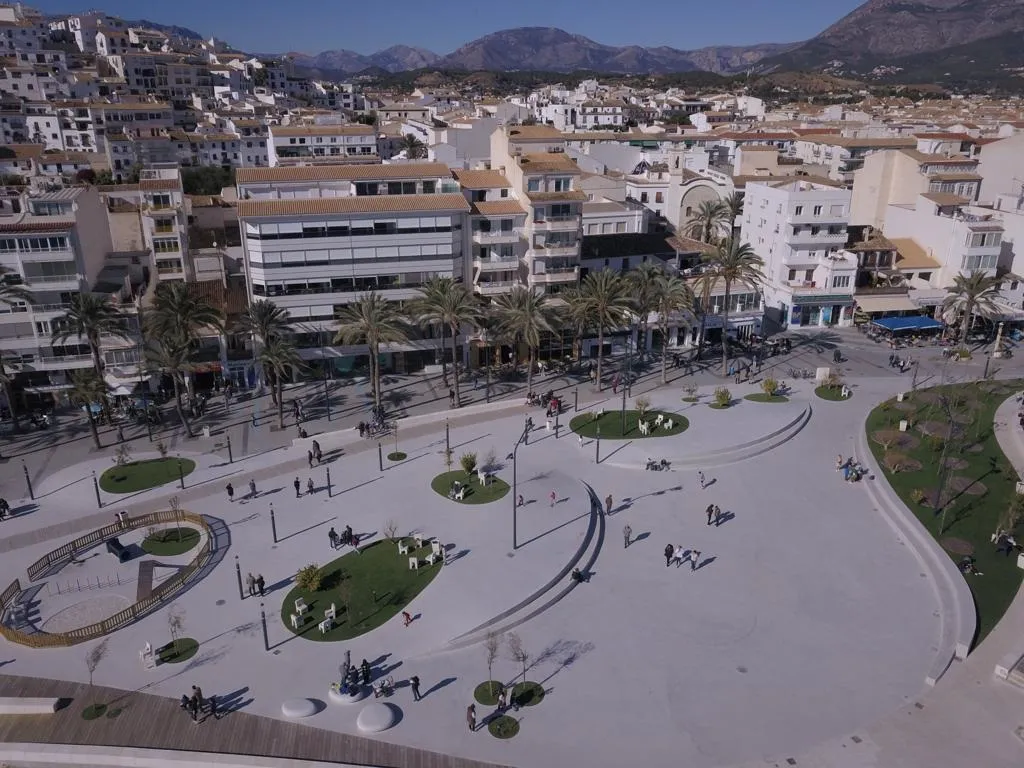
[(323, 361), (515, 494)]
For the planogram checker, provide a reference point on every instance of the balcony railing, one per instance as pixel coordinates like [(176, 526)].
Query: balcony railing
[(501, 236), (494, 286)]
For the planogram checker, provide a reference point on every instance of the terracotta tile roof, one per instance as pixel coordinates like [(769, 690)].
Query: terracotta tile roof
[(41, 224), (497, 208), (954, 177), (896, 142), (545, 162), (369, 204), (946, 198), (321, 130), (533, 133), (742, 181), (757, 148), (576, 195), (354, 172), (123, 106), (485, 179), (911, 255), (689, 245), (876, 242), (24, 151), (923, 158), (159, 185), (944, 136), (199, 138)]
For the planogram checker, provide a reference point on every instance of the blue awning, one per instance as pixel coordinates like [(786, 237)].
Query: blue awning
[(917, 323)]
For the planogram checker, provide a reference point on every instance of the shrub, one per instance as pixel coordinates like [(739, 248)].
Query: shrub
[(490, 460), (770, 386), (122, 455), (468, 462), (963, 353), (308, 578), (833, 381), (894, 462), (937, 443), (643, 405), (918, 496), (162, 447), (722, 397)]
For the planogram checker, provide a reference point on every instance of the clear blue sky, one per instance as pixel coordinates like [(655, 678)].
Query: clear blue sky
[(311, 26)]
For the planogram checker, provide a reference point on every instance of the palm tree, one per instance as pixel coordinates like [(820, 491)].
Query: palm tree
[(90, 317), (575, 316), (642, 283), (970, 295), (371, 320), (672, 295), (734, 203), (414, 148), (88, 388), (733, 262), (524, 315), (181, 313), (264, 320), (10, 294), (607, 305), (448, 304), (705, 285), (708, 222), (172, 356), (278, 356)]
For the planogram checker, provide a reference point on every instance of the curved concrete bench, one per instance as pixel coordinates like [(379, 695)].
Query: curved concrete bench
[(297, 708), (377, 717), (957, 615), (19, 705), (348, 698)]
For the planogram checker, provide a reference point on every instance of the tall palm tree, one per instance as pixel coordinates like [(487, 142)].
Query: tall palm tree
[(371, 320), (607, 304), (672, 295), (90, 317), (278, 356), (705, 284), (172, 356), (88, 388), (414, 148), (450, 305), (708, 222), (733, 262), (734, 203), (181, 313), (970, 295), (642, 284), (10, 294), (264, 320), (574, 314), (524, 315)]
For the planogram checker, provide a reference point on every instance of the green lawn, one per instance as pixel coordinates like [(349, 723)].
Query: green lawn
[(761, 397), (503, 727), (495, 489), (377, 584), (611, 425), (177, 651), (140, 475), (834, 394), (981, 484), (171, 541)]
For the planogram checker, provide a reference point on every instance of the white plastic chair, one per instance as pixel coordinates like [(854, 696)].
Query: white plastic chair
[(331, 613), (414, 563), (460, 494), (300, 606), (295, 621), (435, 547), (419, 540), (325, 626), (668, 424), (403, 548), (660, 418), (433, 557)]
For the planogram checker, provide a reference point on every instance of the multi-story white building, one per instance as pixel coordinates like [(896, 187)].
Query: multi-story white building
[(497, 225), (840, 156), (298, 144), (798, 228), (315, 238), (546, 180)]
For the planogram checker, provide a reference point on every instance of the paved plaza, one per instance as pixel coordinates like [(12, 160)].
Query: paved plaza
[(806, 618)]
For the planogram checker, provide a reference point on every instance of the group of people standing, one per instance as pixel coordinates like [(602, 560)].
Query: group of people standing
[(256, 585), (195, 704)]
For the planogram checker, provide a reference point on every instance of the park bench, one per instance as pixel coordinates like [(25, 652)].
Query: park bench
[(118, 550), (21, 705)]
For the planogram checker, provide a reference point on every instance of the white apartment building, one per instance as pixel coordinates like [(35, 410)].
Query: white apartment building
[(497, 226), (298, 144), (546, 180), (841, 156), (798, 228), (898, 177), (315, 238), (56, 246), (1002, 168)]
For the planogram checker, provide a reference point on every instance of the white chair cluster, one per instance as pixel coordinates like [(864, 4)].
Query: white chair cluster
[(436, 551), (659, 421)]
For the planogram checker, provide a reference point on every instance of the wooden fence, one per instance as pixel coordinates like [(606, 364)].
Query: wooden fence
[(130, 614)]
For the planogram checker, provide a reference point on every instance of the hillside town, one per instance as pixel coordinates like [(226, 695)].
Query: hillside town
[(130, 158)]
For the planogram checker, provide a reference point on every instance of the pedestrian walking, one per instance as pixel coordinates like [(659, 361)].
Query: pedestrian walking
[(407, 618), (316, 451), (711, 512), (501, 699), (260, 584), (250, 582), (553, 496), (608, 504), (519, 500), (471, 717), (718, 515), (627, 536), (332, 535), (839, 462), (231, 492), (694, 558), (198, 693), (700, 476), (309, 486), (309, 458), (252, 489), (580, 438), (298, 487), (193, 704), (892, 359), (451, 397), (364, 670), (414, 683), (212, 701), (669, 551)]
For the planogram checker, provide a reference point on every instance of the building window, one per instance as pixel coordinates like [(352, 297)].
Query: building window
[(562, 184), (659, 197), (533, 185), (620, 226), (643, 197), (841, 281), (817, 210), (927, 276)]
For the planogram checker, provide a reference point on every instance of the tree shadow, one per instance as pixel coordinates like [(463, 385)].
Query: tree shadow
[(563, 653)]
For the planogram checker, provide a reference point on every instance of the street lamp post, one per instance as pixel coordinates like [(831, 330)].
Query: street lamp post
[(323, 360), (28, 480), (515, 487), (231, 458), (273, 523), (597, 448), (181, 474), (96, 487), (238, 573)]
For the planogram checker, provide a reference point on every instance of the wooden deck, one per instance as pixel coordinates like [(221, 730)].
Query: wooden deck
[(145, 588), (155, 722)]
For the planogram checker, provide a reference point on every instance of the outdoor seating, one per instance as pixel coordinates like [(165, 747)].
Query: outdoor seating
[(660, 418), (433, 557), (668, 424), (414, 563), (418, 538), (403, 548), (331, 613), (460, 494), (326, 626), (435, 547), (295, 621), (300, 606)]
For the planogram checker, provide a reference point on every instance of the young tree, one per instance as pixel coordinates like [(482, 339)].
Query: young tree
[(709, 222), (517, 652), (492, 644), (90, 317), (176, 623), (171, 355), (414, 148), (390, 529), (642, 284), (95, 657), (264, 320)]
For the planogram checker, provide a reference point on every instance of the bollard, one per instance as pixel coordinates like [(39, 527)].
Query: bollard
[(238, 573), (328, 482), (231, 458), (273, 523), (263, 621), (576, 400), (597, 447), (380, 457)]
